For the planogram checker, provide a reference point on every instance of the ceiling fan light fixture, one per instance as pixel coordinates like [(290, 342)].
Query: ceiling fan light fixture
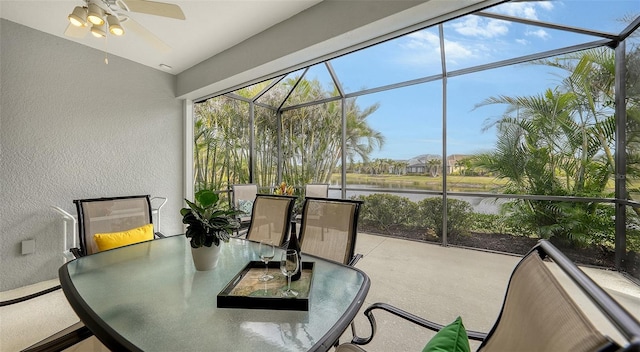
[(98, 31), (114, 25), (95, 14), (78, 17)]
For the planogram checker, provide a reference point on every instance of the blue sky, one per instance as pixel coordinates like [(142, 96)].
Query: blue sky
[(411, 118)]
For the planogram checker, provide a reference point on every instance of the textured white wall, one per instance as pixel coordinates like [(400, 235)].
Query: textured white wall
[(72, 127)]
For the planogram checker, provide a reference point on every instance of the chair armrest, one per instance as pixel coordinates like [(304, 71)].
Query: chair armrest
[(243, 227), (76, 252), (473, 335), (355, 259), (62, 340)]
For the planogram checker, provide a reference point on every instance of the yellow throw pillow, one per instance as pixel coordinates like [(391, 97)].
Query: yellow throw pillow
[(118, 239)]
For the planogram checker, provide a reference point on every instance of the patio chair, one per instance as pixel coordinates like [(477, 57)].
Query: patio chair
[(329, 227), (537, 314), (271, 218), (105, 223), (316, 190), (243, 196)]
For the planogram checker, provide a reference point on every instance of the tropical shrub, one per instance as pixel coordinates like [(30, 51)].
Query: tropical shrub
[(382, 211), (494, 223), (459, 218), (572, 223)]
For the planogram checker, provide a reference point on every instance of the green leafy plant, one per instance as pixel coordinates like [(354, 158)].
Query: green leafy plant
[(383, 211), (208, 221), (496, 223), (458, 216)]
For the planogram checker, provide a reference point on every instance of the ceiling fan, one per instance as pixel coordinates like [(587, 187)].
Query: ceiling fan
[(95, 15)]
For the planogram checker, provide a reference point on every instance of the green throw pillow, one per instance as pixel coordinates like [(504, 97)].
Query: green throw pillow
[(452, 338)]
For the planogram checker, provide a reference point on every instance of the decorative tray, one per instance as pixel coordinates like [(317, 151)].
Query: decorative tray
[(246, 291)]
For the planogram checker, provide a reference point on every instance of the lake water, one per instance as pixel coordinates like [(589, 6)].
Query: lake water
[(480, 204)]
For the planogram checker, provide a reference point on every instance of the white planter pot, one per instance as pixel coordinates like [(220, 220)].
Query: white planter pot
[(205, 258)]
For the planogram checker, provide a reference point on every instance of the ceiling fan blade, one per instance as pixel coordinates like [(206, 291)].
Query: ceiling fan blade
[(146, 35), (76, 32), (155, 8)]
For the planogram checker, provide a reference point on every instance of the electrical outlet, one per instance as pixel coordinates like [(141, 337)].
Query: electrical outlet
[(28, 247)]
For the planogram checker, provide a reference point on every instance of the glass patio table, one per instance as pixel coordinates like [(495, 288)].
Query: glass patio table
[(149, 297)]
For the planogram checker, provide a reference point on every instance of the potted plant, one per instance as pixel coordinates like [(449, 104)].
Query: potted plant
[(209, 224), (283, 189)]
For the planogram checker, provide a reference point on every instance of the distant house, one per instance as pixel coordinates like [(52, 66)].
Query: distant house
[(416, 168), (454, 163), (423, 164)]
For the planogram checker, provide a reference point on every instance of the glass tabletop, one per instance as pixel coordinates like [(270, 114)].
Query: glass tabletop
[(149, 297)]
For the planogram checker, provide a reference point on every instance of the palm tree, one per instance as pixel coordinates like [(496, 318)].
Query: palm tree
[(361, 138), (399, 167), (218, 135), (559, 143), (434, 165), (310, 136), (592, 78)]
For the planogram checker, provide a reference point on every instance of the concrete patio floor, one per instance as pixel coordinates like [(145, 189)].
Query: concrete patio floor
[(439, 283), (435, 282)]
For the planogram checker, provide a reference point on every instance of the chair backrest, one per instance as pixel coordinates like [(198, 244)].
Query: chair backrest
[(114, 214), (271, 218), (243, 196), (539, 315), (329, 227), (316, 190)]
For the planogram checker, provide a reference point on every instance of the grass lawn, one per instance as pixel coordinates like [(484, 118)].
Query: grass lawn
[(457, 183)]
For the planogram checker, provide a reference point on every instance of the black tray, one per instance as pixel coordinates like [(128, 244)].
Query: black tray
[(246, 291)]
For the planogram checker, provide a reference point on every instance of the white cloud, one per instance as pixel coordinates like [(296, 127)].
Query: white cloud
[(422, 39), (456, 50), (546, 5), (421, 48), (475, 26), (424, 47), (540, 33), (462, 46), (523, 9)]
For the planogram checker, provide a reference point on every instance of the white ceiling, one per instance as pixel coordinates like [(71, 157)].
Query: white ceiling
[(211, 26)]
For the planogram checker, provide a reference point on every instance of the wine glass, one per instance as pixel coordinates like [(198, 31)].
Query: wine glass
[(267, 252), (289, 265)]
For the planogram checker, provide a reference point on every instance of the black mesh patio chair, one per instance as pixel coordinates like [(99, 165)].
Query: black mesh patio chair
[(538, 314), (316, 190), (129, 218), (271, 218), (110, 222), (329, 228)]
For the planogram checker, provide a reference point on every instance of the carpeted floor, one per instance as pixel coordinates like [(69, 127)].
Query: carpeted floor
[(25, 323)]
